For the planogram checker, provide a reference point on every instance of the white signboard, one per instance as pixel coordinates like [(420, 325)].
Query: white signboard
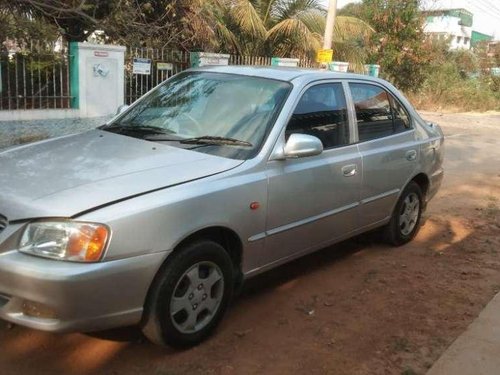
[(164, 66), (281, 61), (206, 58), (213, 60), (141, 66)]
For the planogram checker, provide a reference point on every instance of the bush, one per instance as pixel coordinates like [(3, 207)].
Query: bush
[(446, 88)]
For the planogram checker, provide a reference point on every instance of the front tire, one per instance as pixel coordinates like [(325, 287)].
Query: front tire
[(190, 295), (405, 220)]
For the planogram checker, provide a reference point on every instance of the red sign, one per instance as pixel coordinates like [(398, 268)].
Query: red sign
[(101, 54)]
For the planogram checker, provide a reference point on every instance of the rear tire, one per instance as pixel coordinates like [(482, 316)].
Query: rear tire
[(405, 220), (189, 296)]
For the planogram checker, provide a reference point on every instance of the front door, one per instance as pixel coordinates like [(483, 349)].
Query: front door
[(314, 200)]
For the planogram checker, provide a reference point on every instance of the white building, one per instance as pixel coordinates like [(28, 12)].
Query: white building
[(453, 25)]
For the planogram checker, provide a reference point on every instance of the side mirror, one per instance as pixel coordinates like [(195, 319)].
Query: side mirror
[(302, 145), (122, 108)]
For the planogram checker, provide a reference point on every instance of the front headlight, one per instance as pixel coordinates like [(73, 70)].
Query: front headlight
[(65, 240)]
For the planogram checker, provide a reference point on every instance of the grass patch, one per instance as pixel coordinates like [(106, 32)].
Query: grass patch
[(409, 371), (401, 344)]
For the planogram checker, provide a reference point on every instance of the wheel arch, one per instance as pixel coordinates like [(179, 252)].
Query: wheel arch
[(423, 181), (222, 235)]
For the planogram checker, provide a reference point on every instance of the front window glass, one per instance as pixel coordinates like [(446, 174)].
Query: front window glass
[(322, 112), (221, 114)]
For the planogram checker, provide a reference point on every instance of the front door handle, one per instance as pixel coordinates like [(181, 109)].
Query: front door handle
[(411, 155), (349, 170)]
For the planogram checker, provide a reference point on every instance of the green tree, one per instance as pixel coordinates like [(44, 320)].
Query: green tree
[(23, 31), (286, 27), (398, 44), (151, 23), (184, 24), (252, 27), (466, 61), (75, 19)]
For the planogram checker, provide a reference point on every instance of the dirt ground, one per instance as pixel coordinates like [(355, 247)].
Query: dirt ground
[(359, 307)]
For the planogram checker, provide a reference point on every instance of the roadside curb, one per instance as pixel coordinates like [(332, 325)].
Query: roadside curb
[(477, 350)]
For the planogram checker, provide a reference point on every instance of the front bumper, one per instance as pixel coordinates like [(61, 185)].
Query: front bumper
[(81, 297)]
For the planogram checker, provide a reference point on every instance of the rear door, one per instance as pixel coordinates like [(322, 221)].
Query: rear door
[(314, 200), (388, 149)]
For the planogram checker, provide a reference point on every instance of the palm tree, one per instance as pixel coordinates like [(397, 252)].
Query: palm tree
[(289, 28)]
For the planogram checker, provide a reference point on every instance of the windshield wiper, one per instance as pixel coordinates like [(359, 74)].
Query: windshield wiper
[(206, 140), (136, 129), (214, 140)]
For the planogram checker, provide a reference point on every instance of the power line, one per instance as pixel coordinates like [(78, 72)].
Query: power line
[(490, 5), (483, 6), (487, 8)]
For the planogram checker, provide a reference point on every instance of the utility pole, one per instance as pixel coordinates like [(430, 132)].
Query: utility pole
[(330, 22)]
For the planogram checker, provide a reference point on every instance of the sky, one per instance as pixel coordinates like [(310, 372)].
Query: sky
[(486, 12)]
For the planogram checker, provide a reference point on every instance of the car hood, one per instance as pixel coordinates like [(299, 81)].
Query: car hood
[(65, 176)]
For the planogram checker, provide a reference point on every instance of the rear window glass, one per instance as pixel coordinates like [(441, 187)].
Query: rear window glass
[(378, 113), (373, 111)]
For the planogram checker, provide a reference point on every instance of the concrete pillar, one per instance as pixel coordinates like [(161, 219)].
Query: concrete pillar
[(97, 78)]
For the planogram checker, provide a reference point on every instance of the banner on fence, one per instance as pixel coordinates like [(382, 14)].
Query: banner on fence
[(141, 66)]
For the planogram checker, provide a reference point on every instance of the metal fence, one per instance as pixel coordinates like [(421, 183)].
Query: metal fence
[(36, 77), (137, 85), (266, 60)]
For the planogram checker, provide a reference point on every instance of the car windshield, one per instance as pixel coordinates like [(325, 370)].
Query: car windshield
[(226, 115)]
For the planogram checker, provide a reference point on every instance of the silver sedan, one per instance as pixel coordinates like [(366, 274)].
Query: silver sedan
[(214, 176)]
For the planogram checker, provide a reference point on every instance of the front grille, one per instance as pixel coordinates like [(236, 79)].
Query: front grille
[(3, 223)]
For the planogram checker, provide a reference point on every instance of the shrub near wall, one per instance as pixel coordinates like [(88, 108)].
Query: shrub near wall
[(446, 88)]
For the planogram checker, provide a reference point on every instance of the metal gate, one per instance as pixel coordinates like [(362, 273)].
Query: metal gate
[(164, 64)]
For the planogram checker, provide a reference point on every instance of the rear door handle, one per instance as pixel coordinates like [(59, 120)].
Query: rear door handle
[(411, 155), (349, 170)]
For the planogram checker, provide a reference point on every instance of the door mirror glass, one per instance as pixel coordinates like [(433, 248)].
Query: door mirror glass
[(122, 108), (302, 145)]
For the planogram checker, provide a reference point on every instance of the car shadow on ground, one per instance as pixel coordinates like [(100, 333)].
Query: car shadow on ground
[(270, 280)]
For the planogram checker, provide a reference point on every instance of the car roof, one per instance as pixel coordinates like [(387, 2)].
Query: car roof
[(288, 74)]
